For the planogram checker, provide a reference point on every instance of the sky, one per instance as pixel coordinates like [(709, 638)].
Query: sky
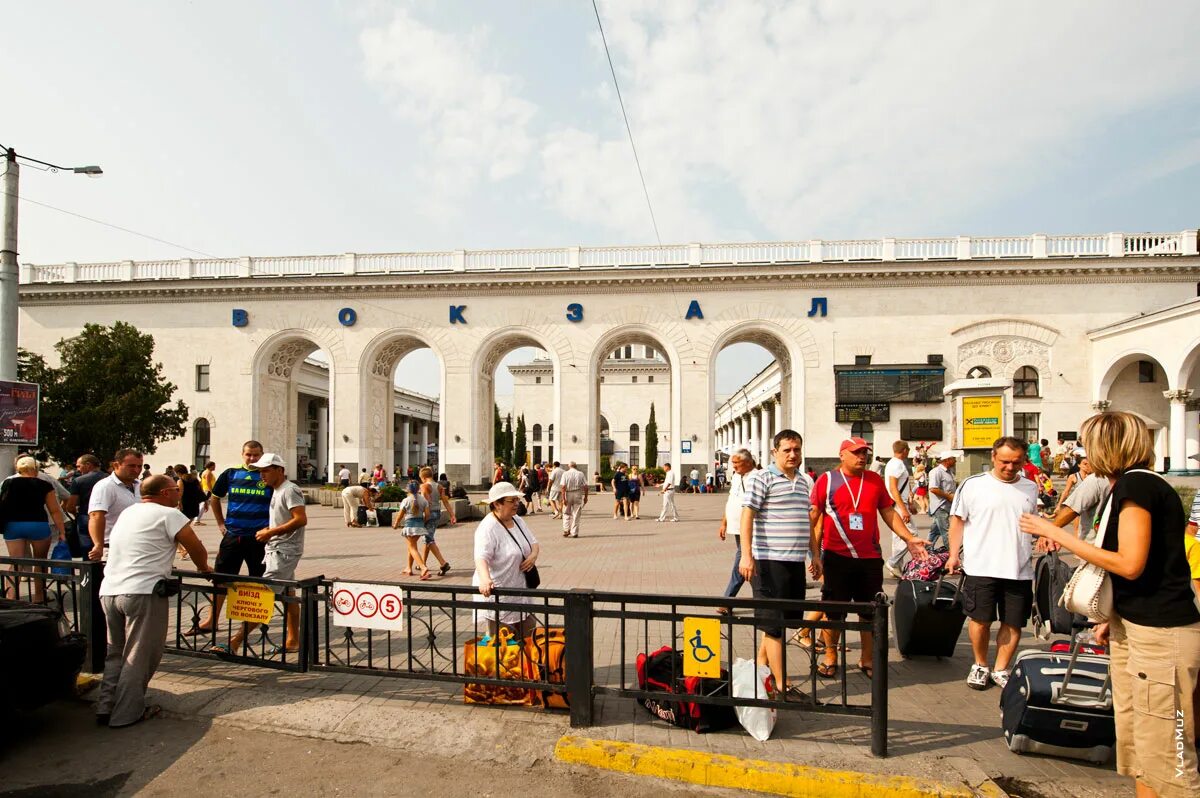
[(271, 128)]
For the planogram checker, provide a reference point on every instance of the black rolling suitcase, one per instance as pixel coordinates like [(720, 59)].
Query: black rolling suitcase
[(360, 515), (384, 515), (1059, 705), (928, 617), (1050, 577)]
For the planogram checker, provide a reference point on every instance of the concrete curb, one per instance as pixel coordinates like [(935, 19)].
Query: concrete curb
[(776, 778)]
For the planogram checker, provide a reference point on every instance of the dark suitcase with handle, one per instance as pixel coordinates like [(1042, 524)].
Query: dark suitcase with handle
[(1059, 705), (928, 617)]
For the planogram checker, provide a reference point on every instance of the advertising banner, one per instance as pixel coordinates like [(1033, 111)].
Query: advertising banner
[(19, 402), (982, 421)]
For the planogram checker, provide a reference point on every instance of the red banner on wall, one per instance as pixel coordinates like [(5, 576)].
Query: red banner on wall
[(19, 402)]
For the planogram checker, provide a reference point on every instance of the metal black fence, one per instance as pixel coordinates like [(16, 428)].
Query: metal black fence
[(69, 586), (439, 629)]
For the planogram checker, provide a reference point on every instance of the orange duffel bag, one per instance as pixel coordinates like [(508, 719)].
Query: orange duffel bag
[(502, 657), (546, 649)]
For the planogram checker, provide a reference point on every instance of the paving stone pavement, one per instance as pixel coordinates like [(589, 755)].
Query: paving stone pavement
[(939, 728)]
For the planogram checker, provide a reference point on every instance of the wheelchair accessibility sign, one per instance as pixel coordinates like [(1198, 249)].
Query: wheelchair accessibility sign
[(702, 647)]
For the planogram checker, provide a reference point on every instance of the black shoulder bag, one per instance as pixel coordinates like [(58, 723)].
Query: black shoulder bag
[(532, 577)]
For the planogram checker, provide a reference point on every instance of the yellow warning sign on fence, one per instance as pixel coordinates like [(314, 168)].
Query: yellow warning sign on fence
[(250, 603), (702, 647)]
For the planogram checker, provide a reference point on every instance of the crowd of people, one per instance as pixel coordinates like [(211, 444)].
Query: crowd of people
[(788, 524)]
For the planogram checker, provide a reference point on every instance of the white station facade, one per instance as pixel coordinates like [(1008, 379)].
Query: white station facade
[(948, 339)]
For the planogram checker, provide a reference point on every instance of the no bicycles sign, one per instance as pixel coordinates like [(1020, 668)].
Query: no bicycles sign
[(367, 606)]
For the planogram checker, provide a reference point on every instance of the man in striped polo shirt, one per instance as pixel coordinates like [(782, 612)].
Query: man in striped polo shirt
[(774, 538)]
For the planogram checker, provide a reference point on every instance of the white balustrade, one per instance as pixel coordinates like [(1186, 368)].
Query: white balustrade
[(923, 248), (1153, 244), (854, 250), (1007, 247), (1076, 246), (1113, 245), (157, 270)]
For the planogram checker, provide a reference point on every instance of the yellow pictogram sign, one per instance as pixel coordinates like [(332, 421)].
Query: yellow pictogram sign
[(249, 603), (702, 647)]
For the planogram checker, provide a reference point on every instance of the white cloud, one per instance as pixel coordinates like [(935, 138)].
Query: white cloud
[(473, 122), (841, 119)]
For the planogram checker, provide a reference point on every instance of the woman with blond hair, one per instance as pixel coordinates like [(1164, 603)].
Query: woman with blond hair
[(1154, 626), (25, 500)]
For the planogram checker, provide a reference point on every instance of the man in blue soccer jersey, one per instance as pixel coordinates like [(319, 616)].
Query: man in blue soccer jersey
[(248, 509)]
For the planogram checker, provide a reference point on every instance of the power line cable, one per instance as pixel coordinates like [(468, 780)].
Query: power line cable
[(628, 129)]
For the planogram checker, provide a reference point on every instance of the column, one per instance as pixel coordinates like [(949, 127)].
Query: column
[(755, 431), (404, 425), (1191, 422), (778, 412), (322, 463), (1177, 442), (423, 443), (740, 422)]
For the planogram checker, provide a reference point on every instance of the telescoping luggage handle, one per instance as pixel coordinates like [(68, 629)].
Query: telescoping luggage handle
[(1082, 694), (937, 590)]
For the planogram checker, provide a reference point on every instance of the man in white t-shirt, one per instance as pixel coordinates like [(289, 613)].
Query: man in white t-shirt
[(741, 463), (996, 557), (284, 540), (344, 477), (899, 487), (141, 553), (111, 496), (667, 489)]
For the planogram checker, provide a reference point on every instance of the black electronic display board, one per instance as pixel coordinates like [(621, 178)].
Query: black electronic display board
[(870, 411), (868, 384)]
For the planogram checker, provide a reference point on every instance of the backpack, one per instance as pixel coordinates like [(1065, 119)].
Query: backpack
[(663, 671)]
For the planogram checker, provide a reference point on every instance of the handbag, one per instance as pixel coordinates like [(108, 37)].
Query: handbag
[(1089, 591), (502, 657), (532, 577), (61, 551)]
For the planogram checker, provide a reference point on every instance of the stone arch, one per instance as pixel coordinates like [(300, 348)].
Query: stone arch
[(513, 330), (376, 369), (791, 343), (1118, 389), (1118, 363), (274, 371), (1188, 374)]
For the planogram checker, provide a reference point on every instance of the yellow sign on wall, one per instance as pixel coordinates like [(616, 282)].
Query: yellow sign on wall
[(983, 418), (702, 647), (249, 603)]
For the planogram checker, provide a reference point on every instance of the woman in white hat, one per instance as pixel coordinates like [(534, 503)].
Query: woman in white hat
[(505, 549)]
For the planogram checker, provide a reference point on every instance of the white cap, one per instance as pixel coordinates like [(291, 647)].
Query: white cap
[(1079, 452), (502, 490), (946, 454), (269, 459)]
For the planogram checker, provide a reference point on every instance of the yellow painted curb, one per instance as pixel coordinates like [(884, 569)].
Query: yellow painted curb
[(719, 770)]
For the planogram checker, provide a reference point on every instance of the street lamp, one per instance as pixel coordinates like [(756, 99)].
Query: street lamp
[(10, 275)]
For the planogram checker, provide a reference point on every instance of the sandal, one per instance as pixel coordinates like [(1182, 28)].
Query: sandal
[(275, 651), (445, 569), (221, 649), (196, 631), (406, 572), (867, 669), (426, 575), (827, 670)]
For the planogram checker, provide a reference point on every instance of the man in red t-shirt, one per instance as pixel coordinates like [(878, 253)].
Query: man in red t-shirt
[(846, 506)]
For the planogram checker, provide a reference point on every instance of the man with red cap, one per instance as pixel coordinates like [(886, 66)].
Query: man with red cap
[(844, 521)]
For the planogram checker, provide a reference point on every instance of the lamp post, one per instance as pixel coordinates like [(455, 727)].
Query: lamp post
[(10, 275)]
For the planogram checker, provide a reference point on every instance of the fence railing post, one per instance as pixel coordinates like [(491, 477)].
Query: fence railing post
[(879, 678), (577, 623), (91, 617)]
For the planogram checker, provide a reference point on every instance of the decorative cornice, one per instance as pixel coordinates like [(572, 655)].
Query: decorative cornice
[(584, 281)]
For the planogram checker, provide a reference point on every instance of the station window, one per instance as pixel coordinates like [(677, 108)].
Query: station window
[(537, 380), (635, 379), (1027, 426), (650, 378), (650, 353), (979, 373), (634, 432), (550, 436), (202, 375), (537, 433), (1025, 382), (864, 430), (1145, 371)]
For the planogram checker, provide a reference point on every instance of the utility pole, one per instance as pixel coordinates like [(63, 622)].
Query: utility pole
[(9, 289)]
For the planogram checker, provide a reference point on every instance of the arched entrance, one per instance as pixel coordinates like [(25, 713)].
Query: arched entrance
[(633, 369), (1135, 383), (402, 428), (293, 400)]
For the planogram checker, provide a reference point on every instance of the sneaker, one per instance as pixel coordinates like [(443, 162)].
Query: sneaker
[(977, 679), (1000, 678)]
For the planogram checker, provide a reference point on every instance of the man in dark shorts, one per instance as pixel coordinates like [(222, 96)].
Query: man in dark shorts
[(996, 557), (846, 506), (248, 511), (774, 539)]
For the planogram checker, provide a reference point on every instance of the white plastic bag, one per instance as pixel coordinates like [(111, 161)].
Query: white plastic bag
[(372, 518), (759, 721)]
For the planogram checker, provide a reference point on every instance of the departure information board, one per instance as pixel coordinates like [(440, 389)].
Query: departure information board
[(870, 411), (864, 384)]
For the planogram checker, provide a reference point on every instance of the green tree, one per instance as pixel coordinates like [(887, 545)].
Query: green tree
[(108, 393), (507, 453), (651, 440), (497, 434), (519, 444)]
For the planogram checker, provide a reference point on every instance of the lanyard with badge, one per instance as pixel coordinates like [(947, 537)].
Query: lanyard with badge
[(857, 522)]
